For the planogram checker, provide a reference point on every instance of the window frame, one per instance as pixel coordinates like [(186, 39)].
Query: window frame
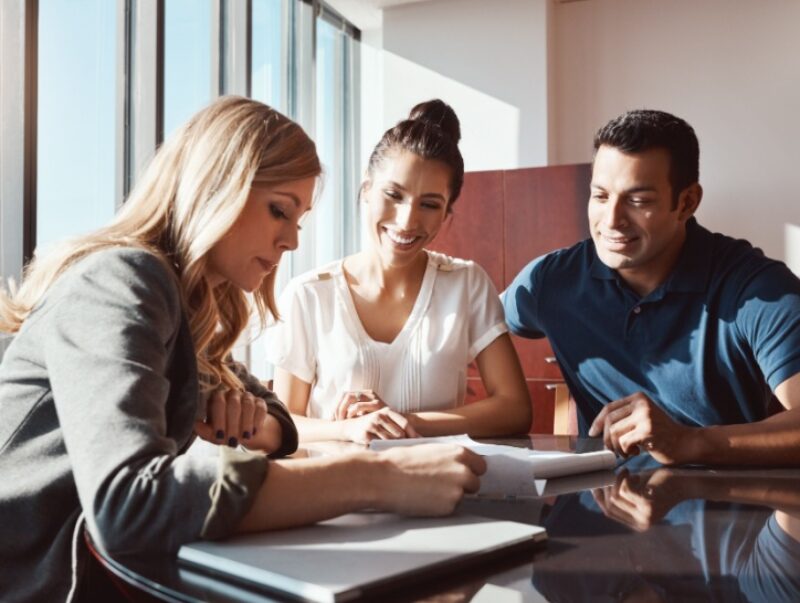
[(139, 110)]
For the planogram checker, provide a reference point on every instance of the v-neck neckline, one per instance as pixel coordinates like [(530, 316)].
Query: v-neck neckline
[(416, 314)]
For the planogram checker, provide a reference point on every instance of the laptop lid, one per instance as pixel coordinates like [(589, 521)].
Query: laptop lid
[(358, 554)]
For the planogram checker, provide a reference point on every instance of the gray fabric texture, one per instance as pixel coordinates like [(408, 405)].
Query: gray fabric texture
[(98, 395)]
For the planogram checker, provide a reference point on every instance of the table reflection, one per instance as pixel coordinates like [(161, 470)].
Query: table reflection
[(659, 534)]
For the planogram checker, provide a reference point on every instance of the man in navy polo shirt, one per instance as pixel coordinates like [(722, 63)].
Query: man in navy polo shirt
[(671, 338)]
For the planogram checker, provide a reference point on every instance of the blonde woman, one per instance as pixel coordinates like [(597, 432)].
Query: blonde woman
[(377, 345), (121, 356)]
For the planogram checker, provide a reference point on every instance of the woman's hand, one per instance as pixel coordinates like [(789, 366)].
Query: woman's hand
[(383, 424), (235, 417), (358, 403), (429, 479)]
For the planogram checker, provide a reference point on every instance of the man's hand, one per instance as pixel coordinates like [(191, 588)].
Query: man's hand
[(636, 423), (357, 404)]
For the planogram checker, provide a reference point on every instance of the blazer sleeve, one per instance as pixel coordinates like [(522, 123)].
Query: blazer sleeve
[(110, 333), (289, 439)]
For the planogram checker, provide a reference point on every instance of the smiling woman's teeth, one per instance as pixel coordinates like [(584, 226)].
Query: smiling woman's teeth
[(401, 240)]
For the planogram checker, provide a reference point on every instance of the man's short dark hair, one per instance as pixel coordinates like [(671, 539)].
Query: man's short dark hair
[(644, 129)]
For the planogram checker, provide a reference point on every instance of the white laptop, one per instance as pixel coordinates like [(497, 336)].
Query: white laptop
[(357, 555)]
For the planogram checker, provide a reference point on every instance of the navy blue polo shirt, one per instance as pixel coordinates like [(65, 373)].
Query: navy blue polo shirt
[(709, 345)]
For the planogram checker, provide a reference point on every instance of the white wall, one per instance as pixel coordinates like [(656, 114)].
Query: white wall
[(731, 68), (487, 59), (532, 80)]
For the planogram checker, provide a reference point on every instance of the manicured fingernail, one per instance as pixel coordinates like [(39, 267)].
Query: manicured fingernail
[(220, 434), (233, 442), (246, 435)]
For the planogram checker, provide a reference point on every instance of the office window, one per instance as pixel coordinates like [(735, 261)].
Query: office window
[(114, 78), (268, 73), (323, 104), (337, 213), (187, 60), (76, 117), (328, 138), (321, 84)]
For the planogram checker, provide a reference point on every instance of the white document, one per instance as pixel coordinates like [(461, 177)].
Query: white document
[(506, 464)]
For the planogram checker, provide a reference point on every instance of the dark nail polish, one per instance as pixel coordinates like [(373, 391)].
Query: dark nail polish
[(220, 434), (254, 431), (246, 435), (233, 442)]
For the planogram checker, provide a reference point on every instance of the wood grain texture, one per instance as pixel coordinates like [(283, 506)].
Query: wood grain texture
[(475, 229), (545, 210)]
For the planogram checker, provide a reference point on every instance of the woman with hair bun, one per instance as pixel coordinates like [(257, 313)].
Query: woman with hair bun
[(377, 345), (120, 357)]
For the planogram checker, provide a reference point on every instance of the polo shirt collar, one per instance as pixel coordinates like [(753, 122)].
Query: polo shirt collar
[(694, 263), (692, 269)]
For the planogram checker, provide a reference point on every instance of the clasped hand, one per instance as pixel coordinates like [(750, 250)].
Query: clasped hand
[(635, 423), (235, 417), (365, 417)]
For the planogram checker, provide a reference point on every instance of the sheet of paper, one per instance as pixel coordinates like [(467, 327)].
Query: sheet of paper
[(509, 463)]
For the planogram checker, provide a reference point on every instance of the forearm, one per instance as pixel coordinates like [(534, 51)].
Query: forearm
[(774, 441), (303, 491), (493, 416), (316, 430), (417, 480)]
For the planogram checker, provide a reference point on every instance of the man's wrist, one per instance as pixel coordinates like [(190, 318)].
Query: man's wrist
[(695, 445)]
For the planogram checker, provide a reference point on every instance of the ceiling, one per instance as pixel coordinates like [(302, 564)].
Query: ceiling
[(366, 14)]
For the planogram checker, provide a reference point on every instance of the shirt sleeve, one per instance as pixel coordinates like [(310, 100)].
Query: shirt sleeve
[(110, 337), (289, 343), (486, 321), (521, 304), (768, 319)]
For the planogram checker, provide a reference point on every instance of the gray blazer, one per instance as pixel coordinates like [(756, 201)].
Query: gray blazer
[(98, 396)]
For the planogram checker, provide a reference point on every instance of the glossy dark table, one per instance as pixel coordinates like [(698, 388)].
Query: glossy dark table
[(642, 533)]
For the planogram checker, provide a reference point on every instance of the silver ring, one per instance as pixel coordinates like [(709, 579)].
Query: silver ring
[(649, 444)]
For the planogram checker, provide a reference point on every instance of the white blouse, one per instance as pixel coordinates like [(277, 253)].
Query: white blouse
[(320, 338)]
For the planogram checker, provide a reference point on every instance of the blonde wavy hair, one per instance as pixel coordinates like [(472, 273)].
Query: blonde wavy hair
[(187, 199)]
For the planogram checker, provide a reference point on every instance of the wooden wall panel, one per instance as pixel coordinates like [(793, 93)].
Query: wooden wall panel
[(475, 229), (545, 210)]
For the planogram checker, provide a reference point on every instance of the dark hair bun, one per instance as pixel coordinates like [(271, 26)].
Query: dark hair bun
[(438, 113)]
